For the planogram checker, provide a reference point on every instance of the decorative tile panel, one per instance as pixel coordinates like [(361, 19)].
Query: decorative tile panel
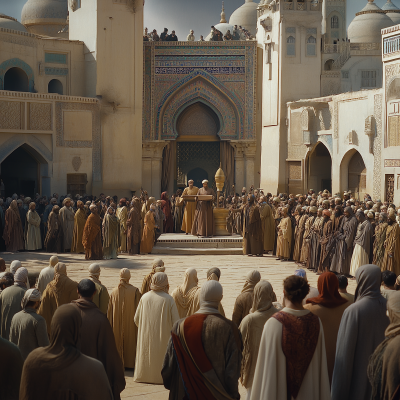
[(11, 114), (56, 71), (40, 116), (55, 58)]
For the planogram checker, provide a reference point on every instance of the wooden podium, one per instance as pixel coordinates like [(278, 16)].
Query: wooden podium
[(201, 197)]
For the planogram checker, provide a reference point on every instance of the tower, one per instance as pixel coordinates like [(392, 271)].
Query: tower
[(334, 21)]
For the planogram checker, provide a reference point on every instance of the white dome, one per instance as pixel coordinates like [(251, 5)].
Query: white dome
[(223, 28), (392, 12), (367, 25), (11, 23), (246, 16)]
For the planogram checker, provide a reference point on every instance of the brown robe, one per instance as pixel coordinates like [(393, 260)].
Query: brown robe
[(79, 226), (134, 229), (253, 240), (242, 307), (391, 259), (203, 224), (10, 370), (379, 248), (97, 341), (53, 241), (306, 239), (325, 259), (13, 234), (91, 238), (268, 225), (149, 234), (298, 237), (314, 250), (190, 209)]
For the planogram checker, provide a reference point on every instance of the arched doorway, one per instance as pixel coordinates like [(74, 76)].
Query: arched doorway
[(320, 169), (357, 176), (21, 172), (16, 80), (55, 86)]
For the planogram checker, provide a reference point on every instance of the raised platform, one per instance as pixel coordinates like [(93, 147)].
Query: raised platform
[(181, 244)]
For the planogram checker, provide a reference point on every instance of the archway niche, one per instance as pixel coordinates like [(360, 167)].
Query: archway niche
[(320, 169), (55, 86), (328, 65), (16, 80), (357, 176), (393, 92)]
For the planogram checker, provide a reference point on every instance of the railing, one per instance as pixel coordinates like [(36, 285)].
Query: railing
[(391, 45), (331, 48)]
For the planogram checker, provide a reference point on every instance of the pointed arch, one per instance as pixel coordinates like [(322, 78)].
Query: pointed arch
[(353, 173)]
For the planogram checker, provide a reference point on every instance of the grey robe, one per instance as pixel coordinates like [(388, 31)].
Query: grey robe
[(10, 370), (361, 330), (28, 331), (10, 304), (67, 217)]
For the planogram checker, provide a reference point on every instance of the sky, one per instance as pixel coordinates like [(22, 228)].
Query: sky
[(183, 15)]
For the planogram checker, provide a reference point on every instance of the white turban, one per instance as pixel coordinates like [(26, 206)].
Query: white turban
[(53, 261), (31, 295), (205, 181), (94, 272), (125, 275), (211, 295), (159, 282), (20, 277), (14, 266), (158, 263)]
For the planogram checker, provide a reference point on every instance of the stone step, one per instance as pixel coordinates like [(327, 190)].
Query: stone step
[(234, 244), (191, 251)]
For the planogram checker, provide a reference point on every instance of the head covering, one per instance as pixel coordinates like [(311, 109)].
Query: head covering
[(158, 263), (15, 265), (328, 288), (92, 207), (393, 307), (263, 298), (204, 181), (30, 295), (65, 200), (159, 282), (213, 274), (125, 275), (20, 277), (94, 272), (252, 279), (326, 213), (53, 261), (60, 269), (301, 272), (368, 279), (211, 295), (190, 281), (159, 269), (313, 210)]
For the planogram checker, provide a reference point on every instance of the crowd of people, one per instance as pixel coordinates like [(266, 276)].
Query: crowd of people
[(65, 339)]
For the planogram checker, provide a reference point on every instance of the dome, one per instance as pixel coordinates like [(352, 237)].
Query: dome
[(246, 16), (223, 28), (367, 25), (392, 12), (7, 22)]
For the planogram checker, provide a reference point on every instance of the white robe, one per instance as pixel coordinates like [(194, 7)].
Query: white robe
[(45, 277), (359, 258), (155, 316), (270, 375), (33, 240)]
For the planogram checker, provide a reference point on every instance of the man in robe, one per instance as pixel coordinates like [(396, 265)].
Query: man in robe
[(314, 249), (124, 301), (134, 229), (190, 208), (344, 249), (13, 234), (28, 329), (167, 210), (149, 231), (67, 216), (61, 290), (10, 370), (47, 274), (91, 238), (122, 215), (326, 238), (354, 347), (203, 224), (178, 211), (79, 226), (33, 239), (101, 298), (299, 235), (253, 241), (283, 246), (362, 243), (244, 301), (343, 284), (391, 259), (293, 342), (158, 266), (204, 352), (22, 213), (379, 243), (111, 235), (185, 294), (54, 237), (97, 337), (61, 371), (312, 215), (155, 316), (10, 301)]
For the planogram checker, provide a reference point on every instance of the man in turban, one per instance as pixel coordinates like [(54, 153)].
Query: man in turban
[(122, 307), (67, 224), (312, 215), (79, 226), (101, 298), (155, 317), (190, 208), (204, 352), (91, 238), (391, 259), (47, 274), (299, 234), (28, 329), (13, 233), (203, 224), (53, 242)]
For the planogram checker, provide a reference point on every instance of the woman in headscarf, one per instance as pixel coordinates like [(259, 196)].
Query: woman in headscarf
[(245, 300), (155, 317), (166, 209), (53, 241), (111, 235), (329, 306), (13, 234), (134, 228), (354, 346), (384, 364), (185, 294), (61, 371), (251, 329), (33, 239), (149, 234), (124, 301)]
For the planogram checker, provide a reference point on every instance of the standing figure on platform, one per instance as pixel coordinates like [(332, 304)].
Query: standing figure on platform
[(190, 208), (203, 224), (67, 216), (167, 210), (53, 240), (79, 226), (253, 240), (122, 215)]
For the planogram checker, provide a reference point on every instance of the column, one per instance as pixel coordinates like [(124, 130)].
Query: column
[(250, 155), (152, 166), (239, 165)]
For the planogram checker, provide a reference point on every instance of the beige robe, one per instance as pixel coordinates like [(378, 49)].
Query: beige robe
[(195, 306), (268, 225), (67, 217), (284, 243), (305, 248), (79, 226), (33, 240), (392, 246), (122, 307), (190, 209), (155, 317), (101, 298), (45, 277), (184, 301), (122, 215), (270, 376)]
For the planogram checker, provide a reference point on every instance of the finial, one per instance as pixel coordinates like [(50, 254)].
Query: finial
[(223, 20)]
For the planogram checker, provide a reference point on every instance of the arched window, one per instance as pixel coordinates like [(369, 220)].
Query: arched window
[(291, 46), (55, 86), (311, 46), (16, 80), (335, 22), (328, 65)]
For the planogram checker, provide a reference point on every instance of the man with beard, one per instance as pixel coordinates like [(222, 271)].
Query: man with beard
[(327, 228), (379, 243), (253, 241), (315, 242), (391, 259)]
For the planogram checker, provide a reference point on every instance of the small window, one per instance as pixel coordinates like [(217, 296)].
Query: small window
[(335, 22), (291, 46), (311, 46), (76, 184), (55, 86), (368, 79)]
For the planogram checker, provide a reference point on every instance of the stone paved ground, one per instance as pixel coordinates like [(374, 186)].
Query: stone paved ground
[(233, 271)]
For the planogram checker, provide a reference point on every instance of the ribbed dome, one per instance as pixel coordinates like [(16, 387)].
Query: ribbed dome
[(246, 16), (392, 12), (367, 25), (223, 28), (11, 23)]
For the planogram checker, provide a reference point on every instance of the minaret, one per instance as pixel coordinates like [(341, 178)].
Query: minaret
[(223, 19)]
